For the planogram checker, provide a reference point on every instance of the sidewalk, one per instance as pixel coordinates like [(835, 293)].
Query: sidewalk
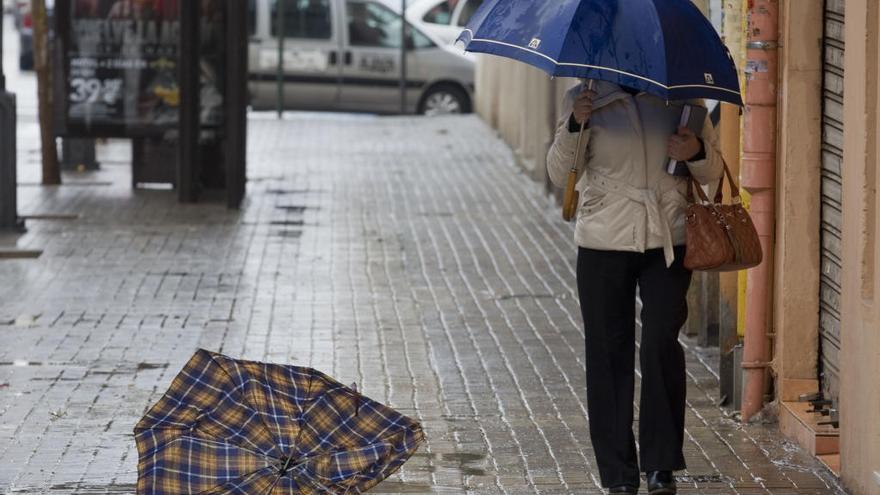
[(407, 255)]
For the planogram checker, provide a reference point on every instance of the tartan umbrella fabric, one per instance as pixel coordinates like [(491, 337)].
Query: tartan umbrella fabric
[(227, 426)]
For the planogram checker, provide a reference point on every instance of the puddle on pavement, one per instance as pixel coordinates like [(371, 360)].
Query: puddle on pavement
[(51, 216), (291, 223), (265, 178), (12, 254), (282, 192), (467, 464), (293, 208), (24, 320), (703, 479), (508, 297), (119, 370), (80, 488), (151, 366), (403, 487), (288, 234), (129, 370), (20, 363)]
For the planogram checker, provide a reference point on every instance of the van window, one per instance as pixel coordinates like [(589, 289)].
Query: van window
[(468, 11), (307, 19), (371, 24), (374, 25), (441, 13), (252, 17), (419, 40)]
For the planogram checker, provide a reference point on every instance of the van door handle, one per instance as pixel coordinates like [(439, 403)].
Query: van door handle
[(348, 58), (334, 57)]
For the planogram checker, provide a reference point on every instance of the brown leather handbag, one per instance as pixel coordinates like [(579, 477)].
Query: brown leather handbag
[(720, 237)]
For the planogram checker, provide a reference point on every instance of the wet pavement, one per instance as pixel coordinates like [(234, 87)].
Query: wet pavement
[(407, 255)]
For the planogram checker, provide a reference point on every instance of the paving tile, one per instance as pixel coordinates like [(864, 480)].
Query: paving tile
[(407, 255)]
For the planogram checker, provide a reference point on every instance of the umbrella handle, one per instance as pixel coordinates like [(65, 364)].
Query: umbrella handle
[(571, 198)]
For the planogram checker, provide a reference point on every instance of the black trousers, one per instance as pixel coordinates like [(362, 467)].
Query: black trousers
[(607, 283)]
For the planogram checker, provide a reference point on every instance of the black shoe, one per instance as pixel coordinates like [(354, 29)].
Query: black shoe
[(627, 489), (661, 483)]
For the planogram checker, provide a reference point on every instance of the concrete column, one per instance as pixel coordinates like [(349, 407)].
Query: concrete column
[(796, 284), (860, 309)]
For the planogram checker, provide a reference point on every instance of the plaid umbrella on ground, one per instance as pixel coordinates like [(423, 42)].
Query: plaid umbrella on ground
[(242, 427)]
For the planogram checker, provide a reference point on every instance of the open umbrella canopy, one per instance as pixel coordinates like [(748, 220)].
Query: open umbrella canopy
[(243, 427), (664, 47)]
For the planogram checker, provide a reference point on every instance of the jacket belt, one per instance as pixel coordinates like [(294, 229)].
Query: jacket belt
[(658, 224)]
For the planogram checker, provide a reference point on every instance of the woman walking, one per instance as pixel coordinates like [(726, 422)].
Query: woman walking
[(630, 232)]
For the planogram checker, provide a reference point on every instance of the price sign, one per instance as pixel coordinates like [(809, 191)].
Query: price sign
[(121, 65), (94, 90)]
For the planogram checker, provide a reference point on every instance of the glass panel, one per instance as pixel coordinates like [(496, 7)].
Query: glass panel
[(304, 19), (441, 13), (122, 66), (252, 17), (371, 24), (419, 40), (468, 11)]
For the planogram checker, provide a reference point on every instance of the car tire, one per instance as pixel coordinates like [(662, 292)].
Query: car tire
[(445, 99)]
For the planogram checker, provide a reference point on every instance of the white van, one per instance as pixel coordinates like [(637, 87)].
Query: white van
[(345, 55)]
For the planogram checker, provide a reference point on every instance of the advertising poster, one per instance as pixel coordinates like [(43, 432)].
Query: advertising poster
[(121, 61)]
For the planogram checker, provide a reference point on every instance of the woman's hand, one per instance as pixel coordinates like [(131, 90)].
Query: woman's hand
[(583, 106), (684, 145)]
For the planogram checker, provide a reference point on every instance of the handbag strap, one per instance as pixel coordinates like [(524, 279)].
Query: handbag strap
[(719, 194)]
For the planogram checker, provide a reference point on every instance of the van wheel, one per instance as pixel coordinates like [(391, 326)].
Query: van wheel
[(444, 99)]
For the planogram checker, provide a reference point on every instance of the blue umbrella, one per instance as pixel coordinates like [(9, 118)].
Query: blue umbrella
[(664, 47)]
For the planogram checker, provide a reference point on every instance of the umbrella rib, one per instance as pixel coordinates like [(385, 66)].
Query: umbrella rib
[(599, 67), (214, 442), (243, 477), (273, 485), (246, 396)]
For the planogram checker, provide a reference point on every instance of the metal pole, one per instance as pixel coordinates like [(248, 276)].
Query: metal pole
[(8, 183), (2, 75), (403, 50), (235, 144), (758, 171), (189, 124), (279, 27)]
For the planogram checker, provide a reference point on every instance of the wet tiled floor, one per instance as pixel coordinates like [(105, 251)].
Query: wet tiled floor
[(407, 255)]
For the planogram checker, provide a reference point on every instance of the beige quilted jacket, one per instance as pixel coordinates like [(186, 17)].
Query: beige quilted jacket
[(627, 200)]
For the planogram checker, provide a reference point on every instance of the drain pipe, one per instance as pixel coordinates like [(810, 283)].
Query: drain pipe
[(759, 179)]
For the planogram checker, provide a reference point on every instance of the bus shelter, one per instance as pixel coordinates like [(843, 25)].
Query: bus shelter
[(171, 75)]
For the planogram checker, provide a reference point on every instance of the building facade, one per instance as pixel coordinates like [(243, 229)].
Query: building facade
[(825, 323)]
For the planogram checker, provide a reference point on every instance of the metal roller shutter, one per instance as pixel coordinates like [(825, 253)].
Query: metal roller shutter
[(832, 160)]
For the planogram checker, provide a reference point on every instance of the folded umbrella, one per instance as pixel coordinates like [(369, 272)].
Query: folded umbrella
[(664, 47), (241, 427)]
